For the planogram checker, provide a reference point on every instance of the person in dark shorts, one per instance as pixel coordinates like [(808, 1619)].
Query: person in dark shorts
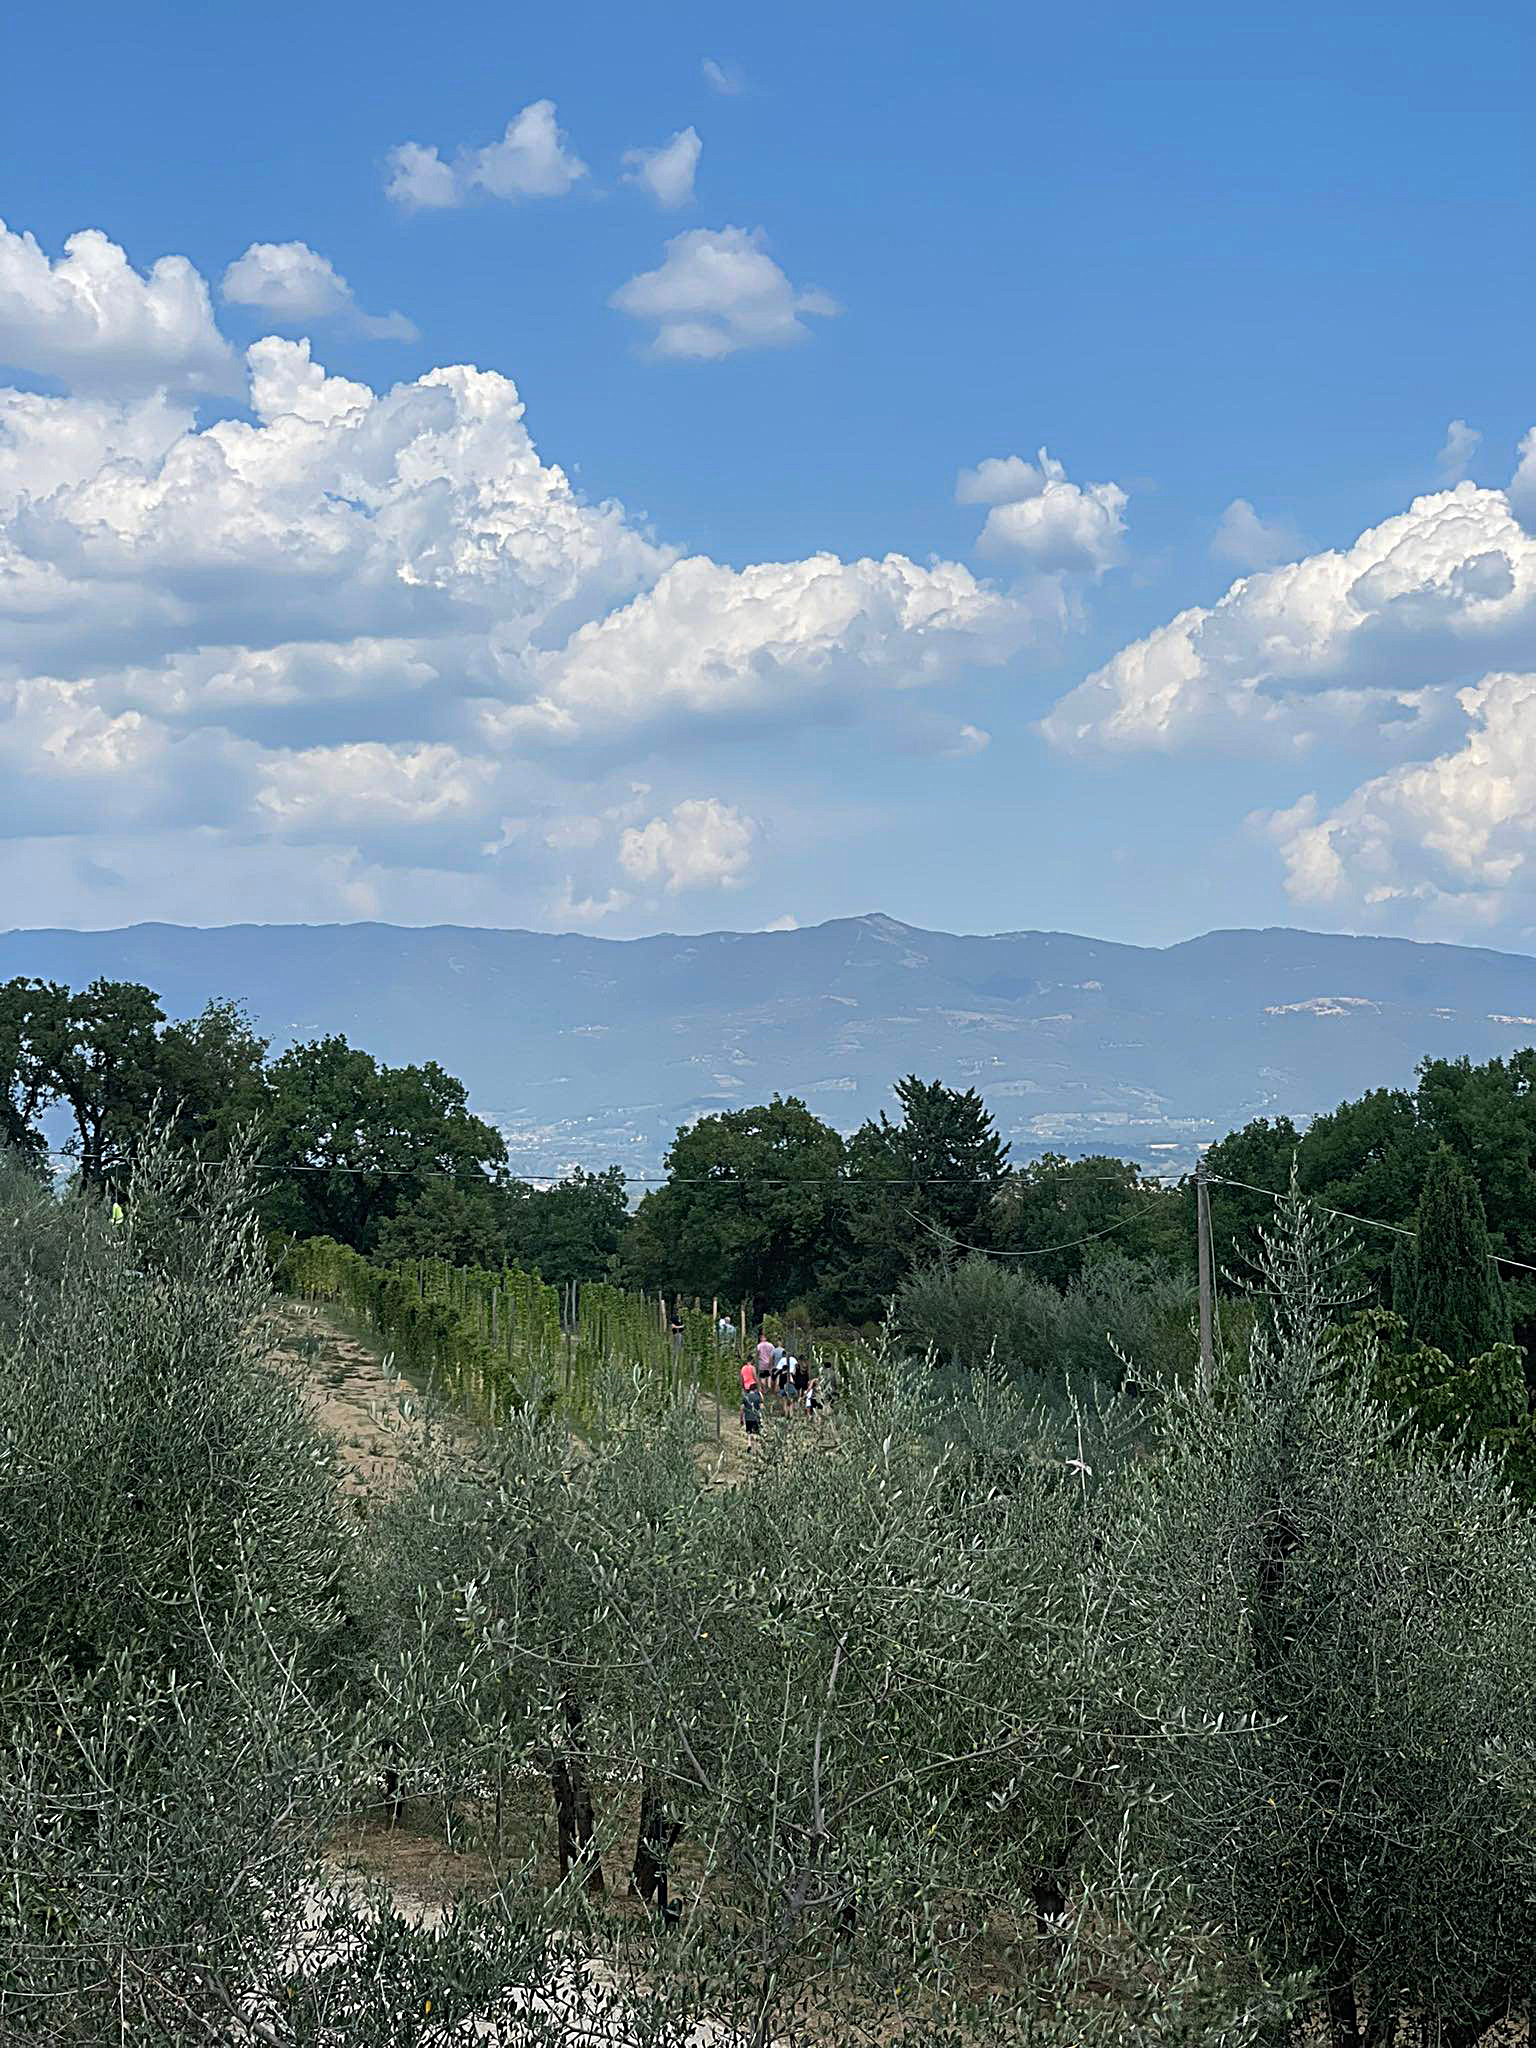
[(802, 1379), (752, 1412)]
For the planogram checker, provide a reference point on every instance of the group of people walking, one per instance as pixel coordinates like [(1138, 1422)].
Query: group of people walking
[(771, 1369)]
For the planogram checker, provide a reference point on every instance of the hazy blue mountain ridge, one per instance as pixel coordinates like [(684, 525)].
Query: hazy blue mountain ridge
[(586, 1050)]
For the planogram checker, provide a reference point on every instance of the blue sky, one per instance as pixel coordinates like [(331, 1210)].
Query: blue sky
[(338, 657)]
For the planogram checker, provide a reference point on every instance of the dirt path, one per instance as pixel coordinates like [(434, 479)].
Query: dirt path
[(355, 1395), (372, 1416)]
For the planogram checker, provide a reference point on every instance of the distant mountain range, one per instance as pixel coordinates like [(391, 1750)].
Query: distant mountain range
[(586, 1051)]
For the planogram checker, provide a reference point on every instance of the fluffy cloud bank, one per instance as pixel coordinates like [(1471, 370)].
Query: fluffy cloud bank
[(1370, 648), (1453, 838), (1350, 636), (92, 321), (361, 651), (706, 641)]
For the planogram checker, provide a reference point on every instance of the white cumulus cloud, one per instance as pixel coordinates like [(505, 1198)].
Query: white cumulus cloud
[(704, 844), (1366, 633), (419, 179), (1453, 834), (666, 173), (1006, 480), (717, 291), (1370, 645), (1067, 526), (532, 160), (707, 640), (361, 652), (93, 322), (1039, 519), (726, 79), (293, 284)]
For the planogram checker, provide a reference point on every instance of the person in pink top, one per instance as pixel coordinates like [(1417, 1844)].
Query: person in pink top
[(748, 1377), (764, 1353)]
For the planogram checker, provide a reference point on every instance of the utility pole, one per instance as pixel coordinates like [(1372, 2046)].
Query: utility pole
[(1203, 1249)]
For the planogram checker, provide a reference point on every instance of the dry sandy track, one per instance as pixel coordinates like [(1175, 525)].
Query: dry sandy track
[(355, 1396)]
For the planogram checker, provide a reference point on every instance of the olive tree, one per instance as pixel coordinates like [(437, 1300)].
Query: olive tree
[(176, 1568), (1361, 1619)]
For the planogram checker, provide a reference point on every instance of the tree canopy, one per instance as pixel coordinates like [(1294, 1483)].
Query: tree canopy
[(106, 1054), (570, 1229), (349, 1142), (921, 1186), (744, 1211)]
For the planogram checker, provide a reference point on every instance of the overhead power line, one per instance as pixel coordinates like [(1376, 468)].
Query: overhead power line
[(1349, 1216), (712, 1180), (1040, 1251)]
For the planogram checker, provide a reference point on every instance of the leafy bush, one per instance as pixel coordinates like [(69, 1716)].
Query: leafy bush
[(176, 1569), (1116, 1310)]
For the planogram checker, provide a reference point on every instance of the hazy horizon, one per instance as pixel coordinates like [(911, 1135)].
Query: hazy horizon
[(752, 931)]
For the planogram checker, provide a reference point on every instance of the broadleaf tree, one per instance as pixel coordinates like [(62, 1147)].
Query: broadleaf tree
[(744, 1211)]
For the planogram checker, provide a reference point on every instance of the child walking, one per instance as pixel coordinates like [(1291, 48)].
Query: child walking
[(752, 1411)]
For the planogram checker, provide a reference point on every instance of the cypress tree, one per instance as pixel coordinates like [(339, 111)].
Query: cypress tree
[(1445, 1286)]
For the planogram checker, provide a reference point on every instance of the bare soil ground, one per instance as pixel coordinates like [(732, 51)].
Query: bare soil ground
[(355, 1396)]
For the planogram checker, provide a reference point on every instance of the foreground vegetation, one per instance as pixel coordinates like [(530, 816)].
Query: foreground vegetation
[(965, 1717)]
